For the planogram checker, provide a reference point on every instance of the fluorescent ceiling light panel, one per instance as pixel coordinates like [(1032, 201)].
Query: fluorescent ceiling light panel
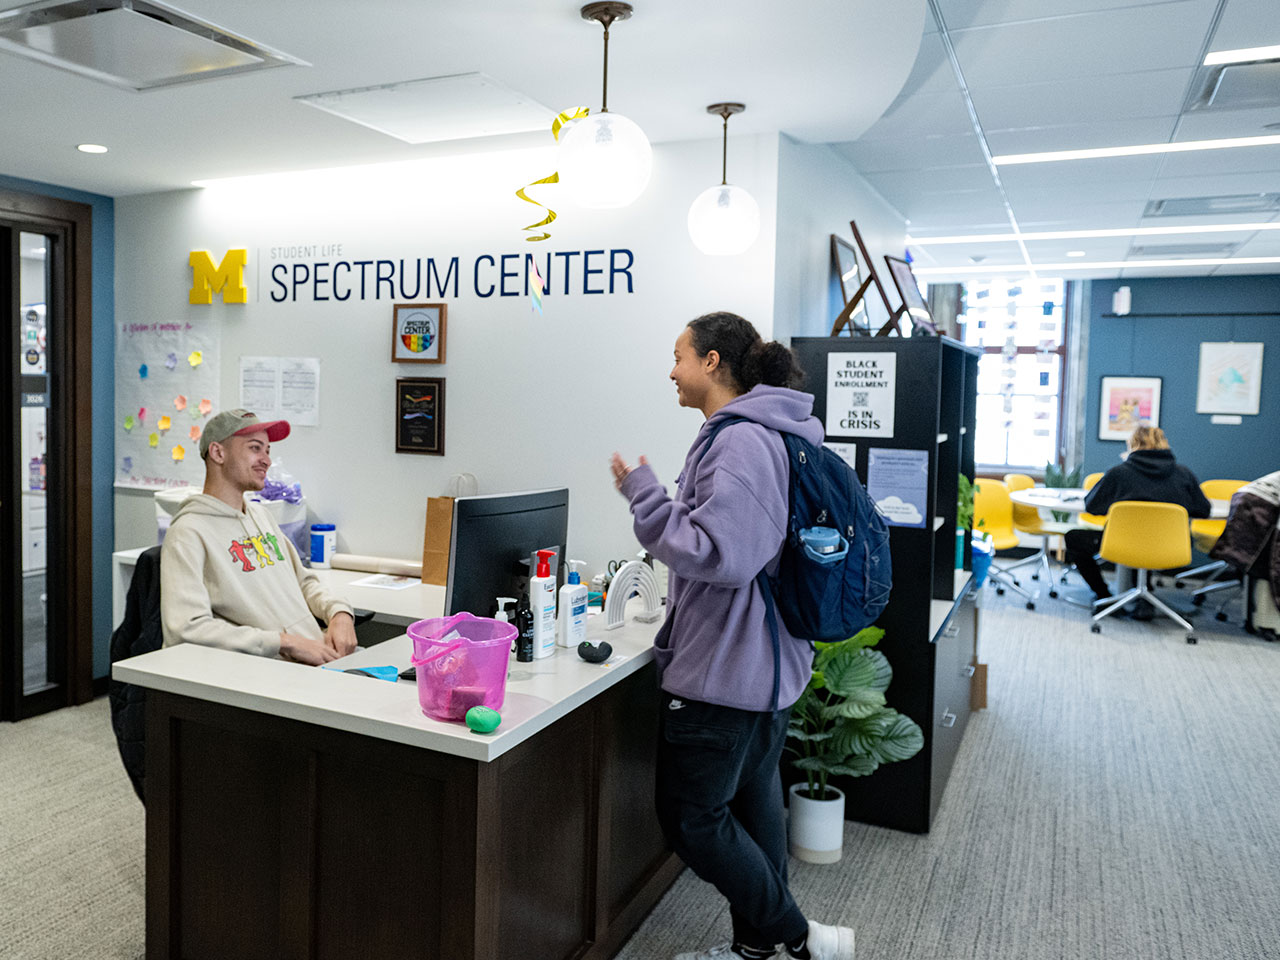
[(1091, 234), (1243, 55), (1096, 265), (1141, 149), (134, 44), (458, 107)]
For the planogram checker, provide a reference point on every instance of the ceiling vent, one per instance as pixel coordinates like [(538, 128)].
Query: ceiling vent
[(1236, 86), (135, 44), (1214, 206), (1168, 250)]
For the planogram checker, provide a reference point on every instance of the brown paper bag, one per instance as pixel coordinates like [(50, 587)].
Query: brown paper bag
[(435, 540)]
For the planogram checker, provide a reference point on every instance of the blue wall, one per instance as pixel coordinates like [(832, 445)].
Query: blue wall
[(1169, 346), (103, 394)]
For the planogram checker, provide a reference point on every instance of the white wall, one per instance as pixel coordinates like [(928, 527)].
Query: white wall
[(819, 192), (531, 401)]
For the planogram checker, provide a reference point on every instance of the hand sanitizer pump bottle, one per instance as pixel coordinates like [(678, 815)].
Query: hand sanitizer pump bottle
[(542, 598), (573, 609)]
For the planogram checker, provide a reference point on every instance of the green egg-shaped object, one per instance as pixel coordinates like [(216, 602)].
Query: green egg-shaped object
[(483, 719)]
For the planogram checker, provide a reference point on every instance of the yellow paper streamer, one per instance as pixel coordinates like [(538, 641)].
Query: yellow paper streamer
[(562, 118)]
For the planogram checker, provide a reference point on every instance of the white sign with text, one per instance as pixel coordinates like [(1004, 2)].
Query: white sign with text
[(860, 394)]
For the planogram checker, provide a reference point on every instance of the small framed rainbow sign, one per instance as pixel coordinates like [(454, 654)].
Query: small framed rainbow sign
[(417, 332)]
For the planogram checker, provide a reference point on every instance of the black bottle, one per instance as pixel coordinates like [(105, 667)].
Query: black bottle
[(524, 626)]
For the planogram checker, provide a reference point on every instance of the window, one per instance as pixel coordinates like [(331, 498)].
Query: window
[(1021, 326)]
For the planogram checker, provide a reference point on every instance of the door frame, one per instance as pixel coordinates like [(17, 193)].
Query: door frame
[(70, 511)]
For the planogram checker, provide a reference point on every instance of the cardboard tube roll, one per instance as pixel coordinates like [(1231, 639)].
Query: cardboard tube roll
[(388, 565)]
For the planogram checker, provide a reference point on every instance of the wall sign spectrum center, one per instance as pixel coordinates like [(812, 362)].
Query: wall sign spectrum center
[(505, 275)]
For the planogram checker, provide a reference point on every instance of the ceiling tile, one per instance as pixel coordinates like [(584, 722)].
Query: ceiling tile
[(1262, 245), (972, 176), (1219, 124), (1214, 163), (963, 14), (1154, 93), (1216, 185), (1055, 251), (1247, 23), (1081, 136), (873, 156), (1116, 41), (1051, 177), (1052, 213)]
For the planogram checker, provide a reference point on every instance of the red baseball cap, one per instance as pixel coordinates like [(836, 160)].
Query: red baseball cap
[(234, 423)]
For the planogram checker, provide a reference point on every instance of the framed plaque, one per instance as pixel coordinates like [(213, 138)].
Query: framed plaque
[(417, 332), (420, 415)]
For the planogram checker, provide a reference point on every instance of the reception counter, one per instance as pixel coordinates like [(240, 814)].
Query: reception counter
[(308, 813)]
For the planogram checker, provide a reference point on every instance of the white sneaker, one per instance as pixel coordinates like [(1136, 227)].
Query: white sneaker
[(722, 952), (829, 943)]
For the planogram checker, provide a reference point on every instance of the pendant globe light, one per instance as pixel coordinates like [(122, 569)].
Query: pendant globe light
[(604, 159), (724, 220)]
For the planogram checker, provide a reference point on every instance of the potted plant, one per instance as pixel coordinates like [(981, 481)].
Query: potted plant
[(841, 726), (964, 516), (1055, 476)]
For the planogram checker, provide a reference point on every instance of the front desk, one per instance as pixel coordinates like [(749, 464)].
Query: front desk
[(294, 812)]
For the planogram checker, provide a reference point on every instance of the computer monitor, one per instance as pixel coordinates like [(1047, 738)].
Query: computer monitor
[(491, 535)]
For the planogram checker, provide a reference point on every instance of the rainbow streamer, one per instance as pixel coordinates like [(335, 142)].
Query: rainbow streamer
[(562, 118), (537, 286)]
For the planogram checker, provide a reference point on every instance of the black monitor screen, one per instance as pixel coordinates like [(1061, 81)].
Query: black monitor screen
[(491, 536)]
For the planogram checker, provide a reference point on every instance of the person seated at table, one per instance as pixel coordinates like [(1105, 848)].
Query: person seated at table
[(228, 576), (1148, 472)]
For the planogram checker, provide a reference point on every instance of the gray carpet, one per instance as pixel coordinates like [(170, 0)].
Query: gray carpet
[(1117, 801)]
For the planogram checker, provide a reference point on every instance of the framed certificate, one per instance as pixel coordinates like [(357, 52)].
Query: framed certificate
[(420, 415), (417, 332)]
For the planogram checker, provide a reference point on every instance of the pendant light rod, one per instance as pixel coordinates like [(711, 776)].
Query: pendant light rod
[(605, 13), (725, 110)]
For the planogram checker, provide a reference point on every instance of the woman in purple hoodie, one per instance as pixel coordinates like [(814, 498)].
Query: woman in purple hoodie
[(719, 793)]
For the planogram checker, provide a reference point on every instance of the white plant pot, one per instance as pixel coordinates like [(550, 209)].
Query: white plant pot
[(817, 826)]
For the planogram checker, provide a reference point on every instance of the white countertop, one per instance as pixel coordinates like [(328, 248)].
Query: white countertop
[(538, 693)]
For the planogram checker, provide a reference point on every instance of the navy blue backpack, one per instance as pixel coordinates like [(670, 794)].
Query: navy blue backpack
[(835, 572)]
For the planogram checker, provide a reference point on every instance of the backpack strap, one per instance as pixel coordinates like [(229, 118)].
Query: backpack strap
[(765, 584)]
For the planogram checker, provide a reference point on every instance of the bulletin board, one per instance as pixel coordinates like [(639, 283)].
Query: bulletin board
[(166, 390)]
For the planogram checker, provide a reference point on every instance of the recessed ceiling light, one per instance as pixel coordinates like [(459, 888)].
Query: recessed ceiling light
[(91, 148), (1097, 265), (1090, 234), (1243, 55), (1141, 149), (1075, 253)]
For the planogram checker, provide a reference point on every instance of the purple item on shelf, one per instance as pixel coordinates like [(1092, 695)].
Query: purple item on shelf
[(275, 490)]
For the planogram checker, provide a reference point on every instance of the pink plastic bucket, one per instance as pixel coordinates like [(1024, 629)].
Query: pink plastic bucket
[(464, 671)]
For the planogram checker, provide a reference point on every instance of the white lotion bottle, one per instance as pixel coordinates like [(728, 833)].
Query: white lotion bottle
[(542, 598), (573, 609)]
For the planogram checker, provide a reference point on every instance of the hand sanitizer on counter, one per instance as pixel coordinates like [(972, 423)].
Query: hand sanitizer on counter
[(573, 609), (542, 598)]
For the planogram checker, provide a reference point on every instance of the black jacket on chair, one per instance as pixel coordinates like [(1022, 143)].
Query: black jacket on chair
[(1148, 475), (139, 632)]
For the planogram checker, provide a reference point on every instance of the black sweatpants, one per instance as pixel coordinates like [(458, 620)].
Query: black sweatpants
[(1081, 546), (719, 801)]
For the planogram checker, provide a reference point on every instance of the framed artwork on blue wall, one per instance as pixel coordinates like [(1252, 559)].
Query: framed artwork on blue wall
[(1127, 402)]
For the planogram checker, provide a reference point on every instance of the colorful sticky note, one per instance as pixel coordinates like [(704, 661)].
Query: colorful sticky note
[(195, 358), (142, 414), (179, 402), (205, 407), (179, 454), (195, 432), (126, 465), (142, 371), (129, 422), (164, 423), (171, 361), (154, 440)]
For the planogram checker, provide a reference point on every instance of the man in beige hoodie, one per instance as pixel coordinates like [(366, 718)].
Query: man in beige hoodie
[(228, 576)]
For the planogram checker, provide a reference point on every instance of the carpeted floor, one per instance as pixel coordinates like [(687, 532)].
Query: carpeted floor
[(1117, 801)]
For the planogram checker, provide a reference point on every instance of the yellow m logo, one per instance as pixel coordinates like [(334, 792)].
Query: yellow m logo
[(227, 276)]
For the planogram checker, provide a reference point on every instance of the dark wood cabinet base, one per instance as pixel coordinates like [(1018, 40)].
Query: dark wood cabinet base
[(275, 839)]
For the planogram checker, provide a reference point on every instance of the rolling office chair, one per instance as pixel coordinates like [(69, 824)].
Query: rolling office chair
[(1145, 536), (993, 514), (1028, 520), (1204, 534)]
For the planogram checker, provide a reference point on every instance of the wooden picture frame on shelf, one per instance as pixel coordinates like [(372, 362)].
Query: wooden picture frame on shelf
[(848, 271), (873, 278), (418, 332), (913, 303), (420, 415), (1125, 403)]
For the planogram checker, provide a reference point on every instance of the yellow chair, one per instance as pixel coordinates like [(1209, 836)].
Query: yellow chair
[(1098, 520), (1145, 536), (1204, 534), (993, 516), (1091, 480), (1028, 520)]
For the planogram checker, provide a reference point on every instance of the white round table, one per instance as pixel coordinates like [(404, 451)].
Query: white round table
[(1071, 500)]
